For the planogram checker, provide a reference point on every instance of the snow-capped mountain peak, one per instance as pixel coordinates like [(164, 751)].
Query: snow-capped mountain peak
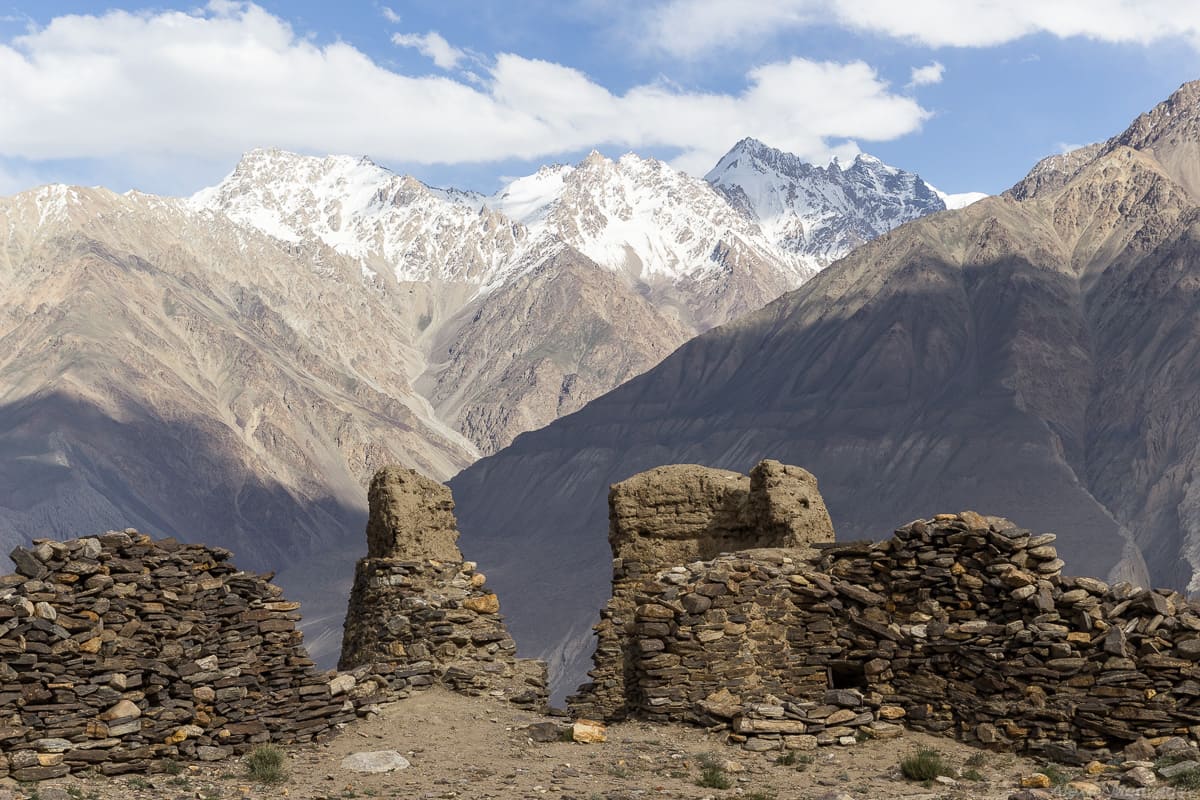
[(762, 222), (384, 220), (528, 199), (817, 212), (956, 200), (641, 217)]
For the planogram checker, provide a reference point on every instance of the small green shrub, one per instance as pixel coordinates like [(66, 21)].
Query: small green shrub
[(173, 768), (976, 759), (788, 759), (265, 764), (1057, 775), (973, 774), (712, 774), (1185, 780), (924, 765)]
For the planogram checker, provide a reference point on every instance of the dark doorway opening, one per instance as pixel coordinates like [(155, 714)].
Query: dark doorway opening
[(847, 675)]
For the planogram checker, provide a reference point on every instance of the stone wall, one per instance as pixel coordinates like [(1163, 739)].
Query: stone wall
[(118, 652), (678, 514), (418, 613), (961, 624)]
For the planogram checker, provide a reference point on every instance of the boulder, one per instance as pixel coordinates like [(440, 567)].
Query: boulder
[(375, 761)]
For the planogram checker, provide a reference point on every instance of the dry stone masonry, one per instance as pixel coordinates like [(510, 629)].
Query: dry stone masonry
[(119, 652), (419, 614), (961, 624)]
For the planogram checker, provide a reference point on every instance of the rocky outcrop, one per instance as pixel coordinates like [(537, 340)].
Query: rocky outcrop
[(418, 613), (961, 624), (682, 513), (120, 653)]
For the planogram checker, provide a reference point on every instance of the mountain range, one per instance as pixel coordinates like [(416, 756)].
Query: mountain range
[(233, 366), (1033, 355)]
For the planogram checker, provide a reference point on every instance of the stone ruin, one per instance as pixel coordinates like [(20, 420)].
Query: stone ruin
[(962, 625), (732, 608), (120, 653), (419, 614), (680, 514)]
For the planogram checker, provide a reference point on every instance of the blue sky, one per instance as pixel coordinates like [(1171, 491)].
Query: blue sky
[(164, 97)]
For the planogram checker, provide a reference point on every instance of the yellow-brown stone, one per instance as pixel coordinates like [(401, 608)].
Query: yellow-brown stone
[(588, 731), (974, 521), (483, 604)]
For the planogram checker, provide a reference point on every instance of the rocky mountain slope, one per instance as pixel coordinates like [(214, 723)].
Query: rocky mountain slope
[(1032, 354), (232, 367), (675, 257), (169, 370)]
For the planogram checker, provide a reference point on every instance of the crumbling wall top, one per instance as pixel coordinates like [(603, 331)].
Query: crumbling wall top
[(787, 507), (411, 517), (672, 514)]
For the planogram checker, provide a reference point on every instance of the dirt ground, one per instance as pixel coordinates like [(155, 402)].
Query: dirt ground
[(462, 747)]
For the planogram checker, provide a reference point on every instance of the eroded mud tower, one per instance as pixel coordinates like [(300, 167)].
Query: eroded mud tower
[(678, 514)]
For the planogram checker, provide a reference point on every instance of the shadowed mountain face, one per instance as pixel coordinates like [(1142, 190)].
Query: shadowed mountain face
[(1034, 355)]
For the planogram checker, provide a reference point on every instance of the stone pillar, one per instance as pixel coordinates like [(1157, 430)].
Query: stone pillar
[(418, 613)]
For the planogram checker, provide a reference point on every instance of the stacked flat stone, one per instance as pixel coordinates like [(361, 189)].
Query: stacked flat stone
[(119, 653), (418, 613), (960, 624), (416, 623)]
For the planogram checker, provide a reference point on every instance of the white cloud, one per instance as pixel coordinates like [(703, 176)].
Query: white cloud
[(209, 85), (928, 74), (693, 27), (390, 15), (432, 45)]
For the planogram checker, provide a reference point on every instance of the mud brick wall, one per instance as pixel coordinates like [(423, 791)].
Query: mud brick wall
[(418, 613), (118, 653)]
